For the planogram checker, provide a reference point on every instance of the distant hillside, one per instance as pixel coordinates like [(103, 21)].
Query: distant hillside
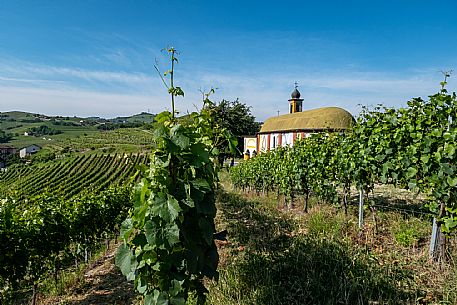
[(143, 117), (23, 126)]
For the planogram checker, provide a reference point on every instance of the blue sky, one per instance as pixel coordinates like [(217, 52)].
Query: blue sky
[(96, 57)]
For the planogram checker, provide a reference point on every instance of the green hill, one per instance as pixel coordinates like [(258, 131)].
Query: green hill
[(65, 131), (143, 117)]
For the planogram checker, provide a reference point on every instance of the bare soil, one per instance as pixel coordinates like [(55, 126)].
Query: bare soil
[(102, 284)]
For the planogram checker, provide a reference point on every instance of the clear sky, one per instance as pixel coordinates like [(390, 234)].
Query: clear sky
[(88, 57)]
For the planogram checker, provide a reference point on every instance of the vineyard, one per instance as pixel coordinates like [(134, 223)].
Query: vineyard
[(70, 176), (55, 214), (410, 148), (119, 140), (177, 222), (42, 236)]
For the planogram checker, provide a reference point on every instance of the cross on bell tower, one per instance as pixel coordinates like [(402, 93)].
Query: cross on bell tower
[(295, 103)]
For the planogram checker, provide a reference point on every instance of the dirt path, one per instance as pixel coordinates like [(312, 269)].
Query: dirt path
[(102, 284)]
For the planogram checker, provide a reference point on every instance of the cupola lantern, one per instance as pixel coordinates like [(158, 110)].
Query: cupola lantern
[(295, 103)]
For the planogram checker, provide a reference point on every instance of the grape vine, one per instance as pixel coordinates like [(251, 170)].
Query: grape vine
[(168, 238), (412, 148)]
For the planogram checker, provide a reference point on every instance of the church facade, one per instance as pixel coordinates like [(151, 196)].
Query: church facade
[(283, 130)]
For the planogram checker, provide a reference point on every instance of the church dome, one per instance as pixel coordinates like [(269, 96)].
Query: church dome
[(295, 94)]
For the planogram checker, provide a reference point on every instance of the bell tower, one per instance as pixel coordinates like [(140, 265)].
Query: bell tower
[(295, 103)]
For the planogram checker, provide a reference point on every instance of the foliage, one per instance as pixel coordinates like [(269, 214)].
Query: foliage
[(235, 117), (13, 159), (5, 137), (37, 235), (70, 176), (113, 126), (43, 155), (168, 238), (172, 246), (408, 233), (63, 123), (304, 168), (43, 130), (122, 140)]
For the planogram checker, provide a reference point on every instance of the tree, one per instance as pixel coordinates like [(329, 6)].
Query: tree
[(43, 130), (236, 117), (4, 137), (13, 159)]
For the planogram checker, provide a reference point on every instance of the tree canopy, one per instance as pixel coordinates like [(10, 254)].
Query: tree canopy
[(235, 117), (4, 137), (43, 130)]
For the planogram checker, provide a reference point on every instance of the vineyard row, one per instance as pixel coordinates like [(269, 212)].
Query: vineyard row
[(69, 177)]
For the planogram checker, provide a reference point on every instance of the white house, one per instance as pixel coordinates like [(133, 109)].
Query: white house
[(29, 150)]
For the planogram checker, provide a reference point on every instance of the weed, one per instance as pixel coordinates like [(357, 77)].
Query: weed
[(323, 222), (409, 232)]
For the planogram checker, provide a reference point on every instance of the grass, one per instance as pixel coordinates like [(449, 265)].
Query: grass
[(277, 256)]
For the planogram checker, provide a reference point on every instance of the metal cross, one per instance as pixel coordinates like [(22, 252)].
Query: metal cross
[(296, 85)]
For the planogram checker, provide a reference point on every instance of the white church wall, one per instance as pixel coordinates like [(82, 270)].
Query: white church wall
[(274, 140), (263, 142), (287, 139)]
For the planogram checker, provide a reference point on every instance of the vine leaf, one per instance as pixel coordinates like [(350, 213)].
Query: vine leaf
[(173, 207), (126, 261), (126, 228), (151, 232), (452, 181), (172, 234)]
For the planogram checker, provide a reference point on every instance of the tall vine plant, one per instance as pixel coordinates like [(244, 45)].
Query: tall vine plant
[(168, 239)]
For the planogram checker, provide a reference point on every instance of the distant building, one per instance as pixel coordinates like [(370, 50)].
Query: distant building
[(284, 130), (5, 151), (29, 150)]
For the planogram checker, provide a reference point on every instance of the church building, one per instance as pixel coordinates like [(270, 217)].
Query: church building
[(283, 130)]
